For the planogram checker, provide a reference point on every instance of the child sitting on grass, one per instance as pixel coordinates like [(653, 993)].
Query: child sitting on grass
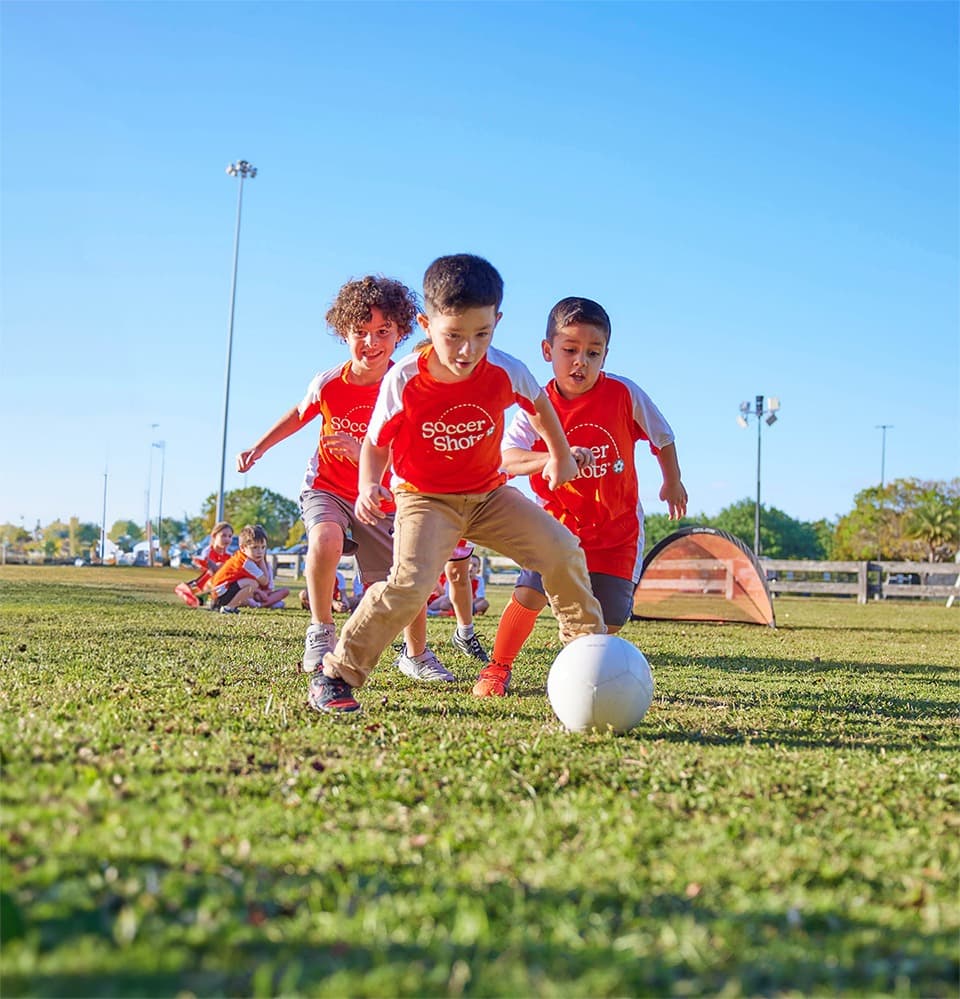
[(243, 574), (193, 592)]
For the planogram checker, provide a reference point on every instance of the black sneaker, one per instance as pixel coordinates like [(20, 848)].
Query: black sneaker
[(229, 610), (330, 695), (470, 647)]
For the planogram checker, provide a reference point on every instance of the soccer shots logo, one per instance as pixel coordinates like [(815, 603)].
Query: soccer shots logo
[(459, 428), (600, 442), (354, 422)]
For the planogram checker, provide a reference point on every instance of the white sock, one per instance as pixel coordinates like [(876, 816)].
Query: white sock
[(465, 630)]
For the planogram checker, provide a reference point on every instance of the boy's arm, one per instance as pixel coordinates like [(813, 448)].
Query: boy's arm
[(288, 424), (520, 461), (672, 492), (374, 461), (560, 466)]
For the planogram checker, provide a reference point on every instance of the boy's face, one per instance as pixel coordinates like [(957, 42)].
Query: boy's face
[(577, 355), (460, 340), (255, 549), (222, 539), (372, 343)]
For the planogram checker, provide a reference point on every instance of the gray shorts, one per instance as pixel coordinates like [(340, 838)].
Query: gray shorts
[(614, 594), (373, 546)]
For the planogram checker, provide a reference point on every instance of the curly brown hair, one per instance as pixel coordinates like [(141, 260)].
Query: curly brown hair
[(356, 298)]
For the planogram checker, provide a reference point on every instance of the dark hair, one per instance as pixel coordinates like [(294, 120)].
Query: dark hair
[(251, 533), (461, 281), (577, 310), (351, 308)]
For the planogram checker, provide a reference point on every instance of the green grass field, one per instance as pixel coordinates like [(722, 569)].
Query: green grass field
[(176, 822)]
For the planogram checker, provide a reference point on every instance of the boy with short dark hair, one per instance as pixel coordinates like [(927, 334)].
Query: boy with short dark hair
[(441, 411), (603, 416)]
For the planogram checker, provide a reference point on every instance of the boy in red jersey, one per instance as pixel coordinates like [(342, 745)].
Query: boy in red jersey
[(234, 584), (193, 592), (440, 412), (603, 416), (371, 316)]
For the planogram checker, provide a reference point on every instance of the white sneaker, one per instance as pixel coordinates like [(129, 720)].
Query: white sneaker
[(321, 638), (426, 667)]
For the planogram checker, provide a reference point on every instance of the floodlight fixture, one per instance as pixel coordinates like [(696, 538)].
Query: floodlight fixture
[(762, 415), (241, 169)]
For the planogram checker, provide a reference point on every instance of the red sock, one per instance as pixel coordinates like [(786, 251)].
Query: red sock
[(513, 630)]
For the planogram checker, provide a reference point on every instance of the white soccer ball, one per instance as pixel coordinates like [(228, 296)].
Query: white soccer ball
[(600, 682)]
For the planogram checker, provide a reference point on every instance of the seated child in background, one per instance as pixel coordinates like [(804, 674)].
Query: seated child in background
[(442, 602), (243, 574), (603, 416), (439, 417), (193, 592)]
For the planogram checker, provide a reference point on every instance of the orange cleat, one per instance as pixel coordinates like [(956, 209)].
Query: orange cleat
[(493, 681)]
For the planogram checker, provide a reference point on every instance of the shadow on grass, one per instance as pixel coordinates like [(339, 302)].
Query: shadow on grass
[(260, 946)]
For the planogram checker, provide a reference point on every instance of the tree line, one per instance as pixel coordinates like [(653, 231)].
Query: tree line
[(905, 520)]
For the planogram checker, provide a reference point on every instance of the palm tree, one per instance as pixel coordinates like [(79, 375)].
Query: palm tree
[(935, 522)]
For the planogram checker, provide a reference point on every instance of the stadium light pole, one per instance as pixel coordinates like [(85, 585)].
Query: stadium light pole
[(153, 426), (103, 527), (762, 415), (883, 449), (241, 169), (163, 460)]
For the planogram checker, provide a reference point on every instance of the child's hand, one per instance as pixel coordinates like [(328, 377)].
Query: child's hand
[(341, 446), (368, 506), (246, 459), (674, 494), (583, 456), (559, 470)]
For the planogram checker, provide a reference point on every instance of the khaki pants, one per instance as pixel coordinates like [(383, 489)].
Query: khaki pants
[(427, 528)]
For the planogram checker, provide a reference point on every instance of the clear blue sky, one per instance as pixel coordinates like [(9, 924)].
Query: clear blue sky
[(764, 196)]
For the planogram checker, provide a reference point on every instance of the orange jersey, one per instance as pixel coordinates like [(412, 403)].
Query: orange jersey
[(345, 408), (602, 504), (238, 566), (446, 436)]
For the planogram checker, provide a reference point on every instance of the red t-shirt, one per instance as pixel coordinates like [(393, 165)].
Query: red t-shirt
[(446, 436), (345, 408), (602, 504)]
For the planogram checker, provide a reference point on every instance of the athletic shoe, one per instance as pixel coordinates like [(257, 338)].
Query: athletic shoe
[(229, 610), (331, 695), (425, 667), (187, 595), (493, 681), (321, 638), (470, 646)]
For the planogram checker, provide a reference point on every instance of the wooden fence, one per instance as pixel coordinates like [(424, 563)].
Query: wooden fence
[(864, 580)]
